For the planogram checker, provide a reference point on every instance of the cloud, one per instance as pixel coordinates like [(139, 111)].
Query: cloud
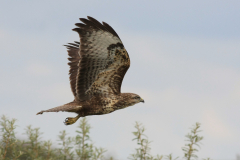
[(215, 127)]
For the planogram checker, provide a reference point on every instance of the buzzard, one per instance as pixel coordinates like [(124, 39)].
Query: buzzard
[(97, 67)]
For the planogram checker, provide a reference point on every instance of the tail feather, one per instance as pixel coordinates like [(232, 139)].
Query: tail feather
[(69, 107)]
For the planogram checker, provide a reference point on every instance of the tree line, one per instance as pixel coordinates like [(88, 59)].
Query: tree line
[(81, 147)]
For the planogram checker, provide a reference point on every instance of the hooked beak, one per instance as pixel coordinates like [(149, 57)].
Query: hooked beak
[(142, 100)]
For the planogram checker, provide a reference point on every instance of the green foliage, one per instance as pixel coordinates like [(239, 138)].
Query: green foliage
[(143, 150), (193, 140), (8, 142), (82, 141), (65, 152), (48, 151), (79, 147), (85, 150), (208, 159), (33, 148), (170, 157)]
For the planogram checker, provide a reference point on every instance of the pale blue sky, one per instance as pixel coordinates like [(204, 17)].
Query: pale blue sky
[(184, 63)]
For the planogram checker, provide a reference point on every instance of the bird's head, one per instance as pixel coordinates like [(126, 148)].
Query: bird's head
[(133, 99)]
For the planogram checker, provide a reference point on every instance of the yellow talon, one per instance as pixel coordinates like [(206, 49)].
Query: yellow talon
[(71, 120)]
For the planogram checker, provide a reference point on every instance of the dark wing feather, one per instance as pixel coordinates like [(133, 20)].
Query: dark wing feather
[(110, 29), (104, 60), (74, 58)]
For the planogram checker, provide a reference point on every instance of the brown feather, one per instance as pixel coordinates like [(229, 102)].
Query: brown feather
[(69, 107), (104, 60), (110, 29), (74, 59), (96, 23)]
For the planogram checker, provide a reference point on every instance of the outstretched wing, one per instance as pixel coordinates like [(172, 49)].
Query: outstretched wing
[(74, 58), (104, 60)]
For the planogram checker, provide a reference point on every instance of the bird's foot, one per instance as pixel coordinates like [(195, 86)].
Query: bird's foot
[(71, 120)]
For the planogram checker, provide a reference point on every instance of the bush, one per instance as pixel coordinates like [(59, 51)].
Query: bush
[(80, 147)]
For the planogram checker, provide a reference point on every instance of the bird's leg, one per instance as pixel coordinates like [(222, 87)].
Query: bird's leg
[(71, 120)]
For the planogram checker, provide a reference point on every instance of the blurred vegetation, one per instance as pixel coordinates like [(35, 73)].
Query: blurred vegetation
[(193, 140), (143, 150), (81, 147)]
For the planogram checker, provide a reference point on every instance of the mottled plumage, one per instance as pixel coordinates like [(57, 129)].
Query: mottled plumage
[(97, 68)]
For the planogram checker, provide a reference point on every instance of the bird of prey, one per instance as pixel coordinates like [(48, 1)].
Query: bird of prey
[(97, 68)]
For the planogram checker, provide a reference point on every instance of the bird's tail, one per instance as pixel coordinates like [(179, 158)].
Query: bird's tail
[(69, 107)]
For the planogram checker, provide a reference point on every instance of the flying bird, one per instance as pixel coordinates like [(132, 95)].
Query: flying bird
[(98, 64)]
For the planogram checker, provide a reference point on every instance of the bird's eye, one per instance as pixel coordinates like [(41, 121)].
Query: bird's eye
[(136, 97)]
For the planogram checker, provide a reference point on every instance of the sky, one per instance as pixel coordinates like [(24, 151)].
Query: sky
[(184, 64)]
